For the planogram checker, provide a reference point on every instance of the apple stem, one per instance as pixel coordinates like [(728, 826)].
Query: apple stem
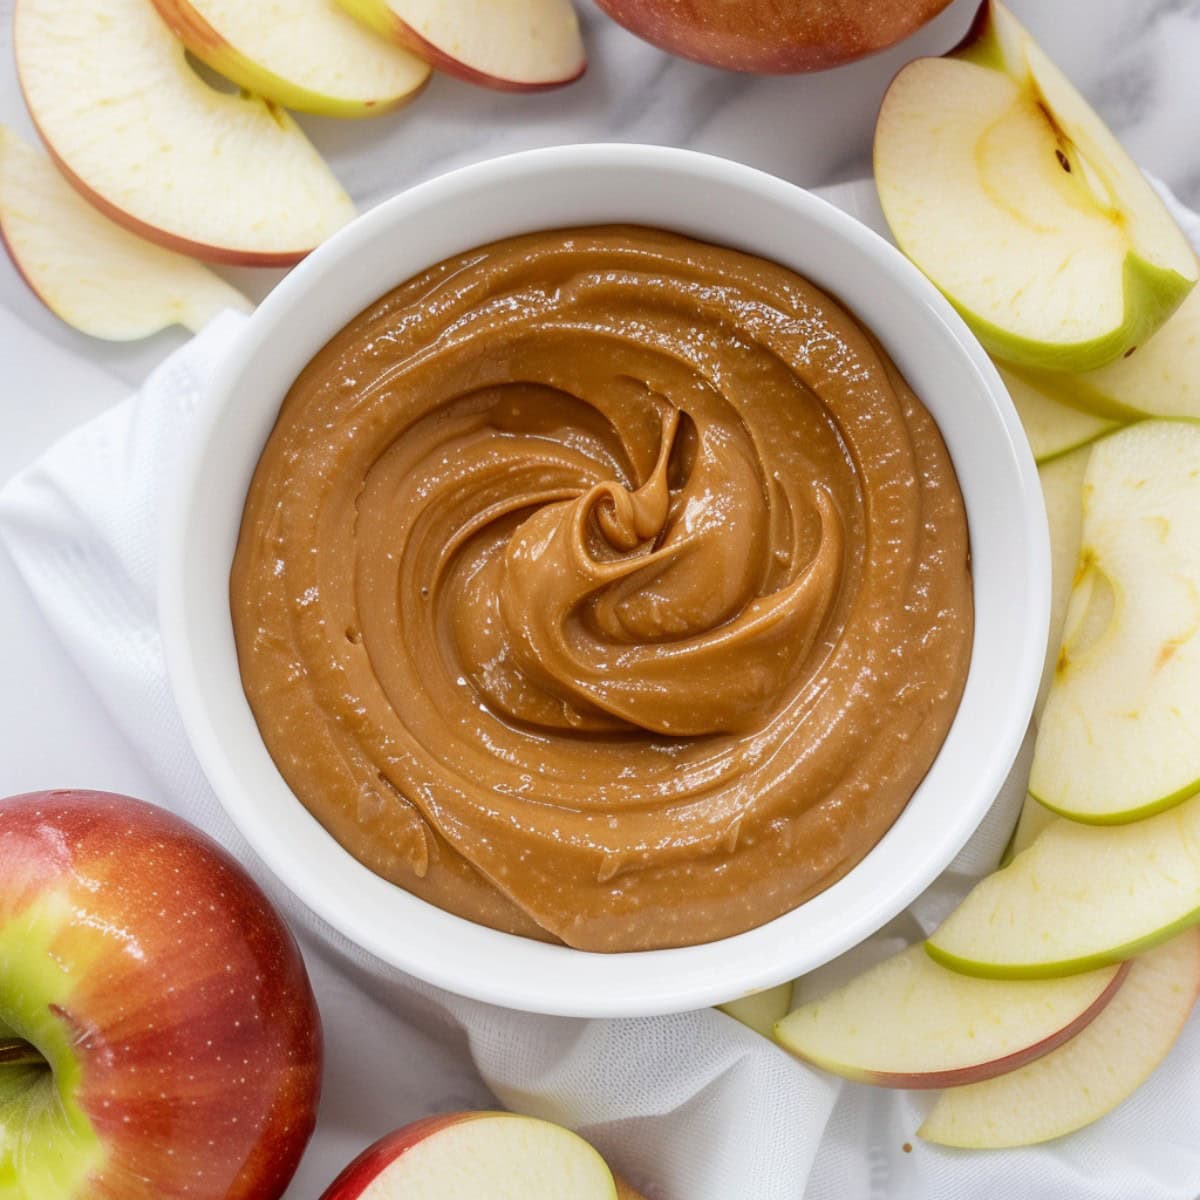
[(15, 1052)]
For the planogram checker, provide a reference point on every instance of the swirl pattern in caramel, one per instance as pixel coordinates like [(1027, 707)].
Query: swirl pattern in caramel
[(604, 586)]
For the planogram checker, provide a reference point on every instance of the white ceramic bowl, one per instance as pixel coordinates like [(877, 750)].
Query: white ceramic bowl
[(718, 201)]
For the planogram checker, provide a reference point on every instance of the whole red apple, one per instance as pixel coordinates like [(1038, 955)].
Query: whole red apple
[(159, 1039), (770, 37)]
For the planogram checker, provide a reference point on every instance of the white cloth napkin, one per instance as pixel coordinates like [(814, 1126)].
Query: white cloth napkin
[(689, 1107)]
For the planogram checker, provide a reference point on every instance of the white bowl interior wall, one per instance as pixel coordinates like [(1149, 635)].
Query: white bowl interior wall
[(710, 199)]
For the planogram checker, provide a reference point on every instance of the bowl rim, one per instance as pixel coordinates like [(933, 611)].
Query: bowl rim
[(554, 979)]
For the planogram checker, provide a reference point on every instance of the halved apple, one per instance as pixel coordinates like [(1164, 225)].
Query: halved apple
[(910, 1023), (1062, 490), (1117, 739), (470, 1155), (761, 1010), (519, 46), (1053, 428), (229, 178), (96, 276), (306, 54), (1079, 897), (1162, 379), (1089, 1075), (1016, 200)]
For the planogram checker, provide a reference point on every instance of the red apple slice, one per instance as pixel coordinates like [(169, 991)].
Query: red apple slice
[(911, 1023), (472, 1155), (306, 54), (95, 275), (225, 177), (518, 46), (1089, 1075)]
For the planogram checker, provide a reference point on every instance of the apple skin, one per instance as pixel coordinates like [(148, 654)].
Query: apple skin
[(167, 996), (211, 48), (377, 15), (769, 38)]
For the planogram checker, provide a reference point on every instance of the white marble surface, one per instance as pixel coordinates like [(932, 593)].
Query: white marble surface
[(1136, 60)]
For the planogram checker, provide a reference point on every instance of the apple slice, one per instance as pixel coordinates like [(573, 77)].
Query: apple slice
[(467, 1156), (1012, 195), (518, 46), (1081, 896), (1089, 1075), (761, 1010), (1117, 738), (1062, 490), (1033, 819), (909, 1023), (1053, 428), (306, 54), (229, 178), (95, 275), (1161, 380)]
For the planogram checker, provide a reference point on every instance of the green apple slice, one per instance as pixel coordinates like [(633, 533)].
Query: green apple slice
[(1117, 739), (1062, 491), (224, 177), (1034, 817), (1162, 379), (1053, 428), (95, 275), (910, 1023), (1010, 193), (1086, 1077), (1081, 896), (309, 55), (761, 1010)]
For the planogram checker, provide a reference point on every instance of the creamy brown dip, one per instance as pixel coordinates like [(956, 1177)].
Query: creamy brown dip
[(604, 586)]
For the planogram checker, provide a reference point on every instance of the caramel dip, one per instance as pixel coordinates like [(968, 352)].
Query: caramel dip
[(605, 587)]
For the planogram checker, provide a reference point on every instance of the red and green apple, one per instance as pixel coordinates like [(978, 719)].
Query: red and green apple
[(767, 37), (158, 1034)]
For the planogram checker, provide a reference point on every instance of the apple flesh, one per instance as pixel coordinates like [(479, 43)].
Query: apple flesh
[(1079, 897), (1011, 194), (1062, 491), (518, 46), (223, 177), (767, 37), (1033, 819), (910, 1023), (92, 273), (1089, 1075), (1117, 738), (1162, 379), (471, 1155), (308, 55), (1052, 427), (761, 1010), (158, 1034)]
